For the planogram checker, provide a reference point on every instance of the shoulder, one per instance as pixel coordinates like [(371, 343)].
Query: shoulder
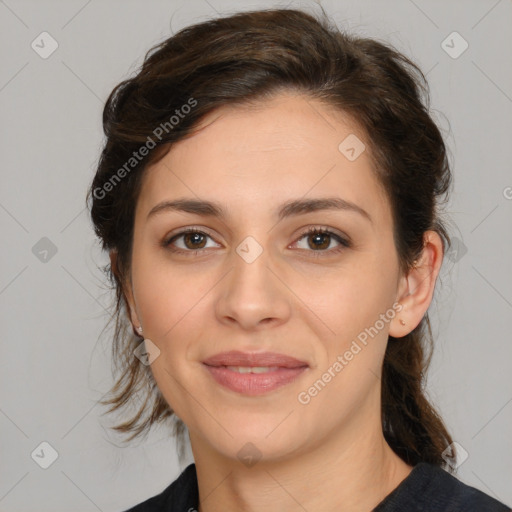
[(431, 488), (460, 496), (180, 496)]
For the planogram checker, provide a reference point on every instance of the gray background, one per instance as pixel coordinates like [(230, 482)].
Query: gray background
[(54, 365)]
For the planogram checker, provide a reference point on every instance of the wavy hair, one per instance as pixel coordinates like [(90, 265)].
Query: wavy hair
[(248, 57)]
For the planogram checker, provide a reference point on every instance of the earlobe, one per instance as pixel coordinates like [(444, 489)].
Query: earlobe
[(416, 289)]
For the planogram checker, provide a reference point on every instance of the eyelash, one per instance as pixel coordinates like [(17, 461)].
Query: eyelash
[(344, 243)]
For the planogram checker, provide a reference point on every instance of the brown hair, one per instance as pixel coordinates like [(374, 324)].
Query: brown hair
[(248, 57)]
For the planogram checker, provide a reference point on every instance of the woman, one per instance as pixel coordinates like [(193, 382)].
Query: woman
[(268, 194)]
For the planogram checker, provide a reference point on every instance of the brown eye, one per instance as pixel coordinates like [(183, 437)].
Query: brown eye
[(190, 241), (319, 241), (194, 240)]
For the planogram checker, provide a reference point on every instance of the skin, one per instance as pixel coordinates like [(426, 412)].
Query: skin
[(251, 160)]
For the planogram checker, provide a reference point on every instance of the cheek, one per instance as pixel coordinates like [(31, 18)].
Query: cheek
[(348, 299), (358, 310), (166, 294), (173, 305), (349, 367), (174, 302)]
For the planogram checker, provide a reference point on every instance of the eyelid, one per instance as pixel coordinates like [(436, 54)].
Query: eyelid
[(343, 240), (184, 231)]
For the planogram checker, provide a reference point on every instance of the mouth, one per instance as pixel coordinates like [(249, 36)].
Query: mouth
[(252, 369), (254, 373), (236, 358)]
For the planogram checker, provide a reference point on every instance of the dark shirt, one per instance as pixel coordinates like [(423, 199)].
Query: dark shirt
[(427, 488)]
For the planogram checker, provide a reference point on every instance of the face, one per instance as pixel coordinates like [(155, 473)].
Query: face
[(317, 284)]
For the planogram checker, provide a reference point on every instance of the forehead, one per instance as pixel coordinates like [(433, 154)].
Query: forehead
[(253, 155)]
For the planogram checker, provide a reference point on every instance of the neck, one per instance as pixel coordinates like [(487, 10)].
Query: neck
[(352, 472)]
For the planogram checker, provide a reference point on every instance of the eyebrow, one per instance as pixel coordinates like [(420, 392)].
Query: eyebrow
[(288, 209)]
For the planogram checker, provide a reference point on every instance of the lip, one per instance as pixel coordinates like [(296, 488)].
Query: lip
[(254, 383), (287, 370), (238, 358)]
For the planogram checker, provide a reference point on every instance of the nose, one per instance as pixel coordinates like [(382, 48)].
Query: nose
[(253, 294)]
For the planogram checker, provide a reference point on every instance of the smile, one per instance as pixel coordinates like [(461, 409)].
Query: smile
[(254, 380)]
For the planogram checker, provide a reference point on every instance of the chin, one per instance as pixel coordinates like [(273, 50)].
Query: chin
[(250, 450), (255, 438)]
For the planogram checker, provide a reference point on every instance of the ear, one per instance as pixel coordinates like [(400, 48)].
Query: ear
[(416, 289), (127, 292)]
